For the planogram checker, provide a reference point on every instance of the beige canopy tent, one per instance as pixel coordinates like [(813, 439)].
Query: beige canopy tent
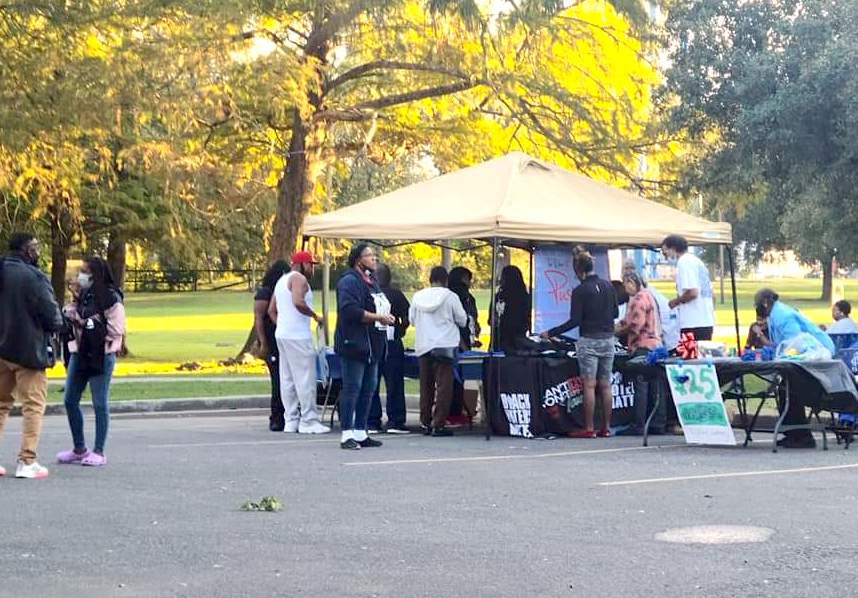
[(518, 200), (515, 197)]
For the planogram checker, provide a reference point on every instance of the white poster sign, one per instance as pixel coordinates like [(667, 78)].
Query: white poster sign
[(699, 405), (554, 281)]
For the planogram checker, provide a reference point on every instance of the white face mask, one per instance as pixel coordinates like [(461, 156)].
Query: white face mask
[(84, 280)]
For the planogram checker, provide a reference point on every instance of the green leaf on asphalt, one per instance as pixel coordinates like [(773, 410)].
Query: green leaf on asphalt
[(270, 504)]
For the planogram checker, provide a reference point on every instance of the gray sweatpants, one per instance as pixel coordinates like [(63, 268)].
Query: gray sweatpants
[(298, 380)]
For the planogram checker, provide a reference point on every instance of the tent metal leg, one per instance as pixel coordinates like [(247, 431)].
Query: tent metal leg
[(495, 384), (735, 299)]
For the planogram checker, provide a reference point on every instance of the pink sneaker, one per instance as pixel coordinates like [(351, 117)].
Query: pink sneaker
[(69, 457), (93, 460)]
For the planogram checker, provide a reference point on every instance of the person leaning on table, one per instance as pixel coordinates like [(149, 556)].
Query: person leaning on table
[(593, 308), (642, 328), (784, 323)]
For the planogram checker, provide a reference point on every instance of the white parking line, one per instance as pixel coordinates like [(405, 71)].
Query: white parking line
[(331, 439), (736, 474), (506, 457)]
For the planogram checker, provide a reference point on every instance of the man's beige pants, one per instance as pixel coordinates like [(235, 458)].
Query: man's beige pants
[(30, 387)]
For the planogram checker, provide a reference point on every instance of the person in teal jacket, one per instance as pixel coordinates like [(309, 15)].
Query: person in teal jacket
[(784, 323)]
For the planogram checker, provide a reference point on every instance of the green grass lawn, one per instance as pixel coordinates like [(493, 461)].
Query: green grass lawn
[(172, 389)]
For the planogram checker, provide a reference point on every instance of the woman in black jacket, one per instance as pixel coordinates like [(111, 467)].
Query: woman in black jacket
[(265, 328), (363, 315), (460, 283), (512, 308)]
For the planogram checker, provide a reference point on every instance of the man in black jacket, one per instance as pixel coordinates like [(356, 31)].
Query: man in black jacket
[(391, 367), (29, 314)]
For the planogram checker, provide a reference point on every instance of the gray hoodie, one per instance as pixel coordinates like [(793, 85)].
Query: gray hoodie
[(437, 314)]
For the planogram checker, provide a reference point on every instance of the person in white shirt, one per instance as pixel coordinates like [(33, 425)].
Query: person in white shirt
[(437, 314), (693, 302), (291, 309), (842, 324)]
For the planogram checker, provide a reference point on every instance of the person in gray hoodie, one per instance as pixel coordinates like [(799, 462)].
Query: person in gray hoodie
[(437, 315)]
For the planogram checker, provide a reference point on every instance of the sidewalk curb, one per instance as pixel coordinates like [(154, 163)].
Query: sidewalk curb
[(186, 405)]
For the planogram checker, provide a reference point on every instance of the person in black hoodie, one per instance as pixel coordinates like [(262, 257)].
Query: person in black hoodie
[(460, 283), (512, 308), (29, 314), (267, 343), (360, 339), (392, 367)]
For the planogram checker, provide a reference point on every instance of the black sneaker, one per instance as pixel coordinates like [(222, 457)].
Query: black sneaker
[(427, 430), (398, 429), (442, 432), (276, 425), (350, 445), (370, 442)]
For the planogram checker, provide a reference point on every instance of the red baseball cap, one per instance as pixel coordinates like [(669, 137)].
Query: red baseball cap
[(303, 257)]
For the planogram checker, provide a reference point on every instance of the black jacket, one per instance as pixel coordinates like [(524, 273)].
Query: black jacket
[(399, 307), (593, 307), (470, 305), (353, 339), (514, 317), (28, 314)]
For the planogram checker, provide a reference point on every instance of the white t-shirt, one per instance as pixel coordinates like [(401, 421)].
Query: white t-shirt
[(843, 326), (691, 273), (291, 324), (669, 320)]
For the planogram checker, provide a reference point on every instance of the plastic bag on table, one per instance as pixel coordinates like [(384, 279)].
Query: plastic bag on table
[(322, 369), (803, 347)]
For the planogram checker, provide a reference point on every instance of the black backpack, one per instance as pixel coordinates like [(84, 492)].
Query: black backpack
[(90, 352)]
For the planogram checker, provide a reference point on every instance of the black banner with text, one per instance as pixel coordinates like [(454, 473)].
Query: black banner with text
[(532, 396)]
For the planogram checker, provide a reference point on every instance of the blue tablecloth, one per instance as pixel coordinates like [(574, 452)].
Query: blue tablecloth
[(470, 365)]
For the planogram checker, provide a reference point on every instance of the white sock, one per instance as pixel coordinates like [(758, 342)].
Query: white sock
[(347, 435), (360, 435)]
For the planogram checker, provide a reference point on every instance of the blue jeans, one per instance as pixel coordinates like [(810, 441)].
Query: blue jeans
[(360, 380), (392, 370), (99, 387)]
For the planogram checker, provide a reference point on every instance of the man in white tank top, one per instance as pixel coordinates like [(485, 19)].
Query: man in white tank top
[(291, 309)]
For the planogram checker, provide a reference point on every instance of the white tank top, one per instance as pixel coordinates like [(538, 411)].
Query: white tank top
[(291, 324)]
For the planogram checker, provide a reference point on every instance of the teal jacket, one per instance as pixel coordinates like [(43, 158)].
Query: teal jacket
[(786, 322)]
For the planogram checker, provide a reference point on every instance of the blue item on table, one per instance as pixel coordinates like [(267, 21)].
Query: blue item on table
[(656, 355)]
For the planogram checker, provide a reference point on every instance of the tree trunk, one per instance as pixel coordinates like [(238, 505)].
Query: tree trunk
[(827, 279), (116, 249), (291, 194), (303, 163), (60, 244)]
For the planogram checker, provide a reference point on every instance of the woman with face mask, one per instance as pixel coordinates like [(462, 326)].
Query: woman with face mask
[(98, 320)]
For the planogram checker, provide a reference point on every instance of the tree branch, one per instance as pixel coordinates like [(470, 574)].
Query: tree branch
[(363, 111), (365, 69)]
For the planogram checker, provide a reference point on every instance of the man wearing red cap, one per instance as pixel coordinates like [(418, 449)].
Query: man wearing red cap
[(291, 309)]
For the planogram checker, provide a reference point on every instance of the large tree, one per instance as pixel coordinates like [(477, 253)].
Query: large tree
[(320, 81), (763, 91)]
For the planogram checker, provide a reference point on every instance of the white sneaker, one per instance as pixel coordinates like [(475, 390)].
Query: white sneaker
[(291, 427), (314, 428), (2, 471), (33, 471)]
